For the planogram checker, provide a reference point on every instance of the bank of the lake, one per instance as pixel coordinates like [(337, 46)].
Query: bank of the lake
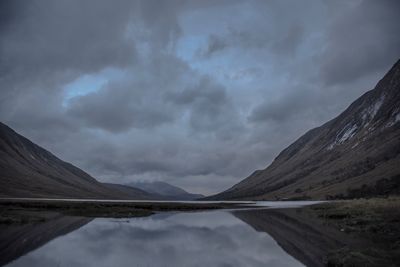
[(375, 220), (37, 210)]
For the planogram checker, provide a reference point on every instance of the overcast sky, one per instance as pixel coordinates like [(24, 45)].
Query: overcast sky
[(196, 93)]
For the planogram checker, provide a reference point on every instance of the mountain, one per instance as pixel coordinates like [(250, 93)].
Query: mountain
[(165, 190), (133, 192), (27, 170), (355, 154)]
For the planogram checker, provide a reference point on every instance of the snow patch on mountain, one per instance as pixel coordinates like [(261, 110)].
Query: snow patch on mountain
[(370, 112), (396, 119), (347, 133), (355, 145)]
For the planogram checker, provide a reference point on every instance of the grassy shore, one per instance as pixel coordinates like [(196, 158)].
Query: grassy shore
[(375, 220), (20, 211)]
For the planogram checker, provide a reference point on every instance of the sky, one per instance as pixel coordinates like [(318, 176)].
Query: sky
[(195, 93)]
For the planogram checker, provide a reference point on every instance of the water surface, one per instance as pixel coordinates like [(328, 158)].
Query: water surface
[(212, 238)]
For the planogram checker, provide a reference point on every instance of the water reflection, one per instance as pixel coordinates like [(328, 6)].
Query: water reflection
[(183, 239), (299, 233), (17, 240)]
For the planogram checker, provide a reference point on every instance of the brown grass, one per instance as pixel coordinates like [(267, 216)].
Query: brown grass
[(376, 220)]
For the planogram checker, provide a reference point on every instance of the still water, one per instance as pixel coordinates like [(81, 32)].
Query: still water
[(211, 238)]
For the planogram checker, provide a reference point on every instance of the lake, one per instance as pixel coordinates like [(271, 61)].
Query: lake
[(251, 237)]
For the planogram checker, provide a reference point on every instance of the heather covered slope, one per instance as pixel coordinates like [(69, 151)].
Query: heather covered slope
[(355, 154), (27, 170)]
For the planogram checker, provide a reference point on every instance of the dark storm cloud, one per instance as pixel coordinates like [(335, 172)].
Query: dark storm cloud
[(117, 108), (285, 108), (215, 44), (290, 40), (284, 41), (8, 11), (160, 17), (58, 36), (184, 91), (45, 44), (362, 40), (209, 108), (271, 29), (137, 102)]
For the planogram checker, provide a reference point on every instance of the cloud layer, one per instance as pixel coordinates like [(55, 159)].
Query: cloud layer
[(184, 91)]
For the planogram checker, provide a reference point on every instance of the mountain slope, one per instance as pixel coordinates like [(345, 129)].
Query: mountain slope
[(165, 190), (357, 153), (27, 170), (132, 191)]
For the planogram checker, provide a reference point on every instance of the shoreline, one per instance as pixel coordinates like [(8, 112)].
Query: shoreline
[(375, 220), (34, 210)]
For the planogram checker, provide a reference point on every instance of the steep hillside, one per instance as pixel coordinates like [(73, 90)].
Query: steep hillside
[(166, 190), (355, 154), (27, 170)]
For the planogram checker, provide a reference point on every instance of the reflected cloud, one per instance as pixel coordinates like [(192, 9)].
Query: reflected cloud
[(214, 238)]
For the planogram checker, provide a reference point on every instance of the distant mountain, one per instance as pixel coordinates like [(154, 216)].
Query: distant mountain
[(165, 190), (356, 154), (27, 170), (132, 192)]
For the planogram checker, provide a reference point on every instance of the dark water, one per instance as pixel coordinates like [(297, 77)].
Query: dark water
[(259, 237), (215, 238)]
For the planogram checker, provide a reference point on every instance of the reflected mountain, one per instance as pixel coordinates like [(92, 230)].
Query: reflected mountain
[(17, 240), (211, 238), (258, 237), (298, 233)]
